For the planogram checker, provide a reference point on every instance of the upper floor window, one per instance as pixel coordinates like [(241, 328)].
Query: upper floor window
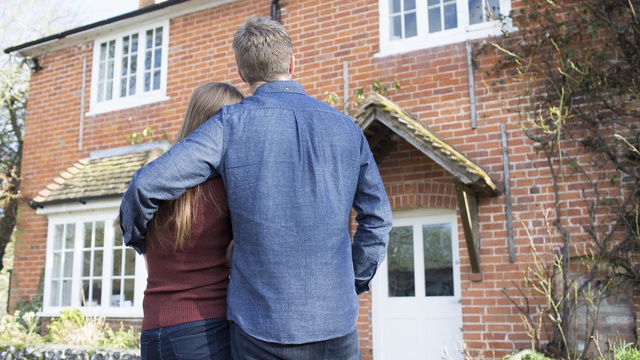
[(88, 267), (130, 69), (407, 25)]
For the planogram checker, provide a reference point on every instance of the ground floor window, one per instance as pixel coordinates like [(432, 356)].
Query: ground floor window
[(88, 266)]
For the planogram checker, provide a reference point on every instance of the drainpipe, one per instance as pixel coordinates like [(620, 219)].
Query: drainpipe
[(275, 11), (10, 272), (82, 98)]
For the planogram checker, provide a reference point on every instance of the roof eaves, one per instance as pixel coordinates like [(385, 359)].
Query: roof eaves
[(105, 22)]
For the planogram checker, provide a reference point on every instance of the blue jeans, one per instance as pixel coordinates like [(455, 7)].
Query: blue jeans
[(196, 340), (246, 347)]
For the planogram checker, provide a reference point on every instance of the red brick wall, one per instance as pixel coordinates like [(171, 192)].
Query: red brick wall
[(325, 34)]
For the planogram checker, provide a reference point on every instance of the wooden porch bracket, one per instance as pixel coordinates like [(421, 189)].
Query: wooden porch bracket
[(468, 205)]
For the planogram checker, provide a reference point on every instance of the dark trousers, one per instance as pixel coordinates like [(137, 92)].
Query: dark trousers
[(246, 347), (196, 340)]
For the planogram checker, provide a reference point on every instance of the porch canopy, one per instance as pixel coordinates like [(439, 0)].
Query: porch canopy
[(380, 119), (94, 178)]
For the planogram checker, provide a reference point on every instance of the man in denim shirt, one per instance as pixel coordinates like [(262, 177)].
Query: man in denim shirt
[(294, 168)]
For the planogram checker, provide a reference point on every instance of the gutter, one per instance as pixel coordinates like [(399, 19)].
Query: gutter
[(62, 35), (83, 200)]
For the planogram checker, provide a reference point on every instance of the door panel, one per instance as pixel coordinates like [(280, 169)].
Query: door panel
[(417, 309)]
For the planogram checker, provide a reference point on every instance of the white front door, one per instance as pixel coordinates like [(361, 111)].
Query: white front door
[(417, 310)]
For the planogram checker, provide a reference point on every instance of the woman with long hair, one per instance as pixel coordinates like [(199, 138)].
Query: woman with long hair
[(185, 300)]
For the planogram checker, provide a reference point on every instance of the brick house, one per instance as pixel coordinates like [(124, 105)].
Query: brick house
[(438, 142)]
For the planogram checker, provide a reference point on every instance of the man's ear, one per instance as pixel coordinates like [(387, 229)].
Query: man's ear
[(240, 74), (292, 64)]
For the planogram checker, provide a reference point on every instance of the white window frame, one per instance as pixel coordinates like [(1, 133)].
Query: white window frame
[(424, 39), (141, 97), (78, 214)]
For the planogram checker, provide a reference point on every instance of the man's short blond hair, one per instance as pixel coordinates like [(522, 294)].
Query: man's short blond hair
[(262, 48)]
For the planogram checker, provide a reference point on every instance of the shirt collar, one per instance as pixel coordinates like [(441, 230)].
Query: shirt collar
[(280, 86)]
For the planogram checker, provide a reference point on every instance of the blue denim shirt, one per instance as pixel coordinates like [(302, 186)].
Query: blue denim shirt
[(294, 169)]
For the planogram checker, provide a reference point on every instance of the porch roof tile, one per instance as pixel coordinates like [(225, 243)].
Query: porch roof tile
[(95, 178)]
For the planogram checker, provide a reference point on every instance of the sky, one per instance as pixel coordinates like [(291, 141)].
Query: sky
[(18, 16), (96, 10)]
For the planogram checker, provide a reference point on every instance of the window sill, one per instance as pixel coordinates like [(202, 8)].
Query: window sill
[(475, 32), (117, 106)]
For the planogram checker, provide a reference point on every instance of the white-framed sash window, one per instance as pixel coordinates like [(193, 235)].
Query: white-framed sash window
[(130, 68), (87, 265), (407, 25)]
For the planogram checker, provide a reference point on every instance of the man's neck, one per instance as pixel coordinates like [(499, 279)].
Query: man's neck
[(255, 85)]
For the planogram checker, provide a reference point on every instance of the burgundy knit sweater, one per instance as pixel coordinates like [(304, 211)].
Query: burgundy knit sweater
[(190, 284)]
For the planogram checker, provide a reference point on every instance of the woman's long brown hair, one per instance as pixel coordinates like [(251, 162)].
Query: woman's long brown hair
[(205, 102)]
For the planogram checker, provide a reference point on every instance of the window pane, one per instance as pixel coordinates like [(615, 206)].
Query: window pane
[(156, 80), (103, 51), (86, 263), (149, 41), (66, 293), (115, 292), (55, 293), (128, 292), (57, 237), (438, 260), (88, 229), (147, 81), (411, 26), (125, 66), (158, 37), (147, 60), (132, 86), (395, 6), (494, 10), (70, 236), (110, 69), (450, 17), (55, 271), (100, 91), (85, 293), (435, 24), (68, 264), (396, 27), (97, 263), (123, 87), (400, 262), (117, 262), (433, 2), (134, 64), (109, 91), (475, 11), (130, 266), (96, 293), (157, 58), (112, 49), (409, 5), (117, 235), (99, 236)]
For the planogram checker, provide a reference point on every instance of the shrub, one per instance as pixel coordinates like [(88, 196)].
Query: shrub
[(73, 328), (535, 356), (627, 352), (123, 338), (20, 328)]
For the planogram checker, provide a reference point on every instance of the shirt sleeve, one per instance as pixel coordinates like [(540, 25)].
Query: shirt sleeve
[(374, 220), (187, 164)]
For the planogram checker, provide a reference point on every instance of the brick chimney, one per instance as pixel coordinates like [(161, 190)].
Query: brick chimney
[(144, 3)]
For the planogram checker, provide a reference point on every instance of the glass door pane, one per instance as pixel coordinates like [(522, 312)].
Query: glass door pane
[(400, 262), (438, 260)]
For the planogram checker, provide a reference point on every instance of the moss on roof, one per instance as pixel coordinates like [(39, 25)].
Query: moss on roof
[(90, 178), (421, 133)]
